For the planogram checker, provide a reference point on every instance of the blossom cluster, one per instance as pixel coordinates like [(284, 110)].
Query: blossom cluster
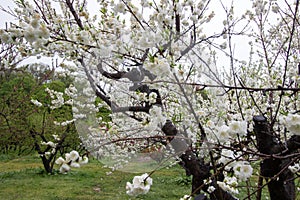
[(72, 159), (57, 99), (242, 169), (229, 184), (292, 122), (295, 168), (32, 29), (186, 197), (140, 185), (36, 102), (52, 145), (151, 98)]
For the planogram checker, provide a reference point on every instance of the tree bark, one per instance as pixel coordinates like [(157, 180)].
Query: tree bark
[(281, 180), (193, 165)]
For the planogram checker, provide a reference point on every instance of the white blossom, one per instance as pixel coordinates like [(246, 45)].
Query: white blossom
[(84, 160), (226, 156), (36, 102), (140, 185), (120, 8), (159, 67), (211, 189), (60, 161), (56, 137), (5, 37), (152, 97), (294, 168), (49, 143), (223, 134), (31, 35), (242, 170), (238, 127), (75, 165), (186, 197), (72, 160), (64, 168), (293, 123), (229, 184), (72, 156)]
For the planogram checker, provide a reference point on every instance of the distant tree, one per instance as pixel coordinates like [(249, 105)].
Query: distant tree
[(28, 122), (14, 91)]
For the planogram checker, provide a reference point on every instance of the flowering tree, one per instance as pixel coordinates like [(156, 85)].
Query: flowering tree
[(27, 117), (155, 65), (33, 117)]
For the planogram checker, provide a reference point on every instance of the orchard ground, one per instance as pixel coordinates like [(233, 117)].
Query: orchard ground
[(24, 178)]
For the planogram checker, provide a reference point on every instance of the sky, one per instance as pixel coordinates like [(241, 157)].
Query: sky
[(240, 44), (4, 16)]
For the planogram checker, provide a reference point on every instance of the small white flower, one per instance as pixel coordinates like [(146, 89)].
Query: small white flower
[(186, 197), (60, 161), (120, 8), (55, 137), (223, 133), (75, 164), (238, 127), (84, 160), (293, 123), (36, 102), (35, 23), (73, 156), (51, 144), (43, 32), (53, 151), (152, 97), (229, 184), (211, 189), (159, 67), (243, 170), (30, 34), (226, 156), (142, 96), (5, 37), (68, 158), (108, 173), (295, 168), (155, 111), (65, 168), (140, 185)]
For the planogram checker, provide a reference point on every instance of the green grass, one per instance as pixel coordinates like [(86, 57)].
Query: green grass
[(23, 178)]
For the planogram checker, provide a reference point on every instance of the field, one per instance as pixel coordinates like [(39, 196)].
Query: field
[(23, 178)]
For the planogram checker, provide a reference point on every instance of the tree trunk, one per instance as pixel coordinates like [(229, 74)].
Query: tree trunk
[(281, 180), (46, 164), (193, 165)]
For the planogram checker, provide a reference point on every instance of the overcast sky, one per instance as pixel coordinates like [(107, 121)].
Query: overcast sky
[(5, 17), (241, 45)]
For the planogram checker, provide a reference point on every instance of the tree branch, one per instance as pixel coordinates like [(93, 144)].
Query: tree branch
[(75, 15)]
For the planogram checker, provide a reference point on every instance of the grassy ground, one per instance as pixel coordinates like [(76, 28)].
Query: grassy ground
[(23, 178)]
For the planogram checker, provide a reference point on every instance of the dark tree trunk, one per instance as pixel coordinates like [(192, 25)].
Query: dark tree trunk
[(281, 180), (48, 163), (193, 165)]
